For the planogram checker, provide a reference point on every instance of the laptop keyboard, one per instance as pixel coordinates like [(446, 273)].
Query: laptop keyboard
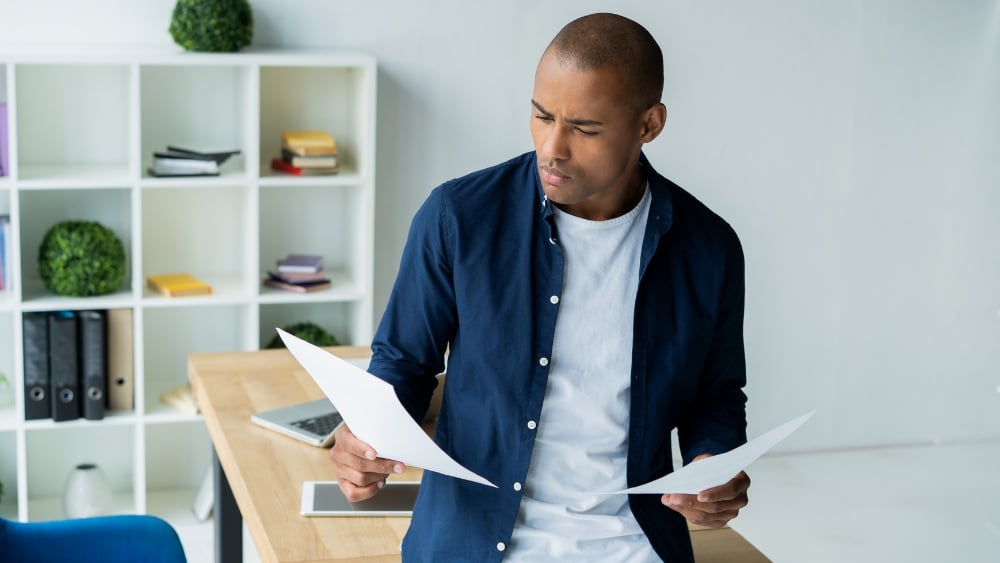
[(319, 425)]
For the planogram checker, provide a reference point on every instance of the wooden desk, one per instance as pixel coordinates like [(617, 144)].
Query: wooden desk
[(265, 470)]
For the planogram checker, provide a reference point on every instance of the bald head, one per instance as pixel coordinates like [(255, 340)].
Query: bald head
[(610, 40)]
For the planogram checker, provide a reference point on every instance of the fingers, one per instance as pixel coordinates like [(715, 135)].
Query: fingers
[(356, 493), (713, 507), (361, 472), (710, 514), (734, 488)]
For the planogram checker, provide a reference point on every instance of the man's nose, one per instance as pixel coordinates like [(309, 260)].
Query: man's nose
[(556, 144)]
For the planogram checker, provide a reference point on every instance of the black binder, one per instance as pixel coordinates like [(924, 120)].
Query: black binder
[(64, 366), (93, 362), (36, 366)]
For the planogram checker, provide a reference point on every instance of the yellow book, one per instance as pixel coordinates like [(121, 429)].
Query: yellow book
[(178, 285), (327, 151), (308, 138)]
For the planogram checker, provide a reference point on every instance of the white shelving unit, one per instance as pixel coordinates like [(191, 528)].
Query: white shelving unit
[(82, 128)]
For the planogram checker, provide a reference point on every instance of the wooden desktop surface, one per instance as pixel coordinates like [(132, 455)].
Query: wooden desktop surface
[(265, 469)]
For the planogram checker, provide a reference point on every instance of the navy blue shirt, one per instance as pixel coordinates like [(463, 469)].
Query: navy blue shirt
[(478, 272)]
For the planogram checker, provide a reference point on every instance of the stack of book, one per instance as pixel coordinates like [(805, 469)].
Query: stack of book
[(307, 152), (178, 161), (300, 273)]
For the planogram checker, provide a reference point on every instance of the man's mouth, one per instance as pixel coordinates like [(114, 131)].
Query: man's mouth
[(553, 176)]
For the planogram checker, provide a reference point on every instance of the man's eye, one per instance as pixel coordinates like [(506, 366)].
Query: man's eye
[(543, 117), (587, 133)]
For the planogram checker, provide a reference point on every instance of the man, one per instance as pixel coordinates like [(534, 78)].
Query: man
[(591, 306)]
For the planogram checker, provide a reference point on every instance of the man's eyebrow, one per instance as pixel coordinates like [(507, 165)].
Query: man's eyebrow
[(571, 121)]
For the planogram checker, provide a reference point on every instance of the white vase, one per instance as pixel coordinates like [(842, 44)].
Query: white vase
[(87, 492)]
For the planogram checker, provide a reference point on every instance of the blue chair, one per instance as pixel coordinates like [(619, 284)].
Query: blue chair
[(127, 538)]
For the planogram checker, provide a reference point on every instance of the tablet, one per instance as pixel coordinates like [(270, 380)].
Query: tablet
[(324, 498)]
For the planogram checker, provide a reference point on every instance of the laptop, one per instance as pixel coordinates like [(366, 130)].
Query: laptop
[(312, 422)]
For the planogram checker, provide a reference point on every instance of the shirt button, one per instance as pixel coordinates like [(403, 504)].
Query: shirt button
[(543, 362), (552, 240), (554, 299), (501, 546), (532, 425), (517, 486)]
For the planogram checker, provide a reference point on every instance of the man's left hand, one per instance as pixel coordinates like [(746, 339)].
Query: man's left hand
[(713, 507)]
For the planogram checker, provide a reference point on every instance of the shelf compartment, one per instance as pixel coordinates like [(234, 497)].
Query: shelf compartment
[(202, 232), (40, 210), (8, 474), (175, 506), (339, 319), (333, 99), (72, 119), (177, 457), (196, 107), (8, 413), (333, 215), (53, 453), (171, 333)]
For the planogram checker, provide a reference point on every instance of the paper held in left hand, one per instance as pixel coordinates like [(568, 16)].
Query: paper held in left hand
[(373, 412), (718, 469)]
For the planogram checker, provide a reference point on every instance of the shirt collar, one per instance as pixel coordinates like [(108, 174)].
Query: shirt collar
[(661, 208)]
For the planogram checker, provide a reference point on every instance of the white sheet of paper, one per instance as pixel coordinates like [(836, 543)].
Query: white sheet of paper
[(718, 469), (373, 412)]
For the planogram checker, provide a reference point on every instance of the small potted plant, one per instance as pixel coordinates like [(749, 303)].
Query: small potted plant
[(81, 259), (212, 25)]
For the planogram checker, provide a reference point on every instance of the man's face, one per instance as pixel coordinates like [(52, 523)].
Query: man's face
[(587, 133)]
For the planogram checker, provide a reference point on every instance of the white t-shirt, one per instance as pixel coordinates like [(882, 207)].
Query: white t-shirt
[(582, 435)]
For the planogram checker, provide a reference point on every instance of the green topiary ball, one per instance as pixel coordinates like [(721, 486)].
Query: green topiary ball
[(81, 259), (212, 25), (310, 332)]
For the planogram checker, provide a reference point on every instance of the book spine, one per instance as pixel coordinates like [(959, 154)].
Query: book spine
[(285, 286), (37, 404), (120, 360), (302, 161), (93, 363), (64, 366), (281, 165)]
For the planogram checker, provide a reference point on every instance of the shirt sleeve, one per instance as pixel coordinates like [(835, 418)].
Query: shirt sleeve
[(420, 317), (718, 423)]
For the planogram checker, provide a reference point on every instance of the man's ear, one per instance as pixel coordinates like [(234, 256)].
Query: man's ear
[(653, 120)]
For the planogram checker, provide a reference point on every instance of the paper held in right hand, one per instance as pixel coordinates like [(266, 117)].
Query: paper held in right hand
[(718, 469), (373, 412)]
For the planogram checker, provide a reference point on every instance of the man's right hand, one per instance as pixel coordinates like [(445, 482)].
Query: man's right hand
[(361, 473)]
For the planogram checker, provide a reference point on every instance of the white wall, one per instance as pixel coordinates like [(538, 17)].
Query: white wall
[(853, 145)]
